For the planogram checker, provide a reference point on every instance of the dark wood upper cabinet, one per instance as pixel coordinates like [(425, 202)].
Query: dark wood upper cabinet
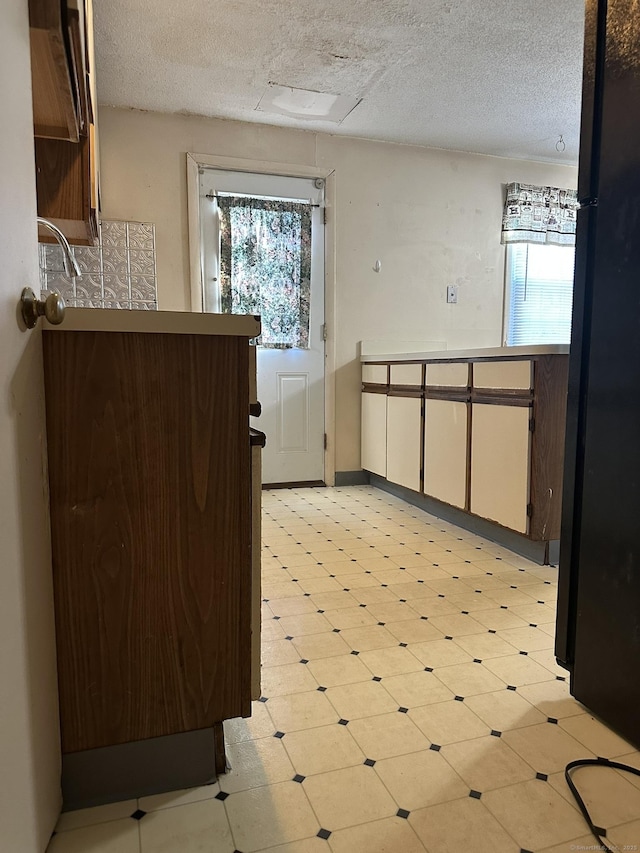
[(64, 117), (55, 113)]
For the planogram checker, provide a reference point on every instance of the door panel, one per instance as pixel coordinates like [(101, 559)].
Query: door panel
[(500, 464), (445, 451), (292, 417), (374, 433), (293, 412), (404, 453)]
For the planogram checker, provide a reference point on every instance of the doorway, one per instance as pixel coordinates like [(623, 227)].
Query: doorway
[(262, 251)]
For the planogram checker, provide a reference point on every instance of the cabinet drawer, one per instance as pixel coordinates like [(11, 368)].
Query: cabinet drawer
[(374, 373), (500, 464), (406, 374), (453, 375), (503, 374), (404, 452), (445, 451)]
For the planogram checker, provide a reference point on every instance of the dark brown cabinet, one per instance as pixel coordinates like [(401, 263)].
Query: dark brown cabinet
[(151, 512)]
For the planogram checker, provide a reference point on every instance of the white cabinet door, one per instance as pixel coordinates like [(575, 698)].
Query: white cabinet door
[(373, 454), (445, 451), (500, 464), (404, 453)]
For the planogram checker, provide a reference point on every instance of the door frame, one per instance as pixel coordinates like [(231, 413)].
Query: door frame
[(195, 162)]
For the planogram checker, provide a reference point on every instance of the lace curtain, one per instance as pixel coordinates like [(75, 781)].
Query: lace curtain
[(539, 215), (265, 266)]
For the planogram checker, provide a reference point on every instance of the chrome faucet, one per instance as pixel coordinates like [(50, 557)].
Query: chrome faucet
[(71, 267), (53, 306)]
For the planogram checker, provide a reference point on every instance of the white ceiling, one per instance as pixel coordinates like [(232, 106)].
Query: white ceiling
[(497, 77)]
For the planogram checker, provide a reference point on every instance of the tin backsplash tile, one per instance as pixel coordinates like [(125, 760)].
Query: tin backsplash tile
[(120, 272)]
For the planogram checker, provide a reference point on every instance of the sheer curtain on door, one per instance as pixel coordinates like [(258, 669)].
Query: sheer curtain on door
[(265, 266)]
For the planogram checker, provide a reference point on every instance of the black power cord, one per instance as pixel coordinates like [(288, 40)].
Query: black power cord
[(597, 831)]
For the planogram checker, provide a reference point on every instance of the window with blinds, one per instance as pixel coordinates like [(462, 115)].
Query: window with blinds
[(539, 294)]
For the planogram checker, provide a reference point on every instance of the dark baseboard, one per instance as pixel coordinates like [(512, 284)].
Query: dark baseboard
[(303, 484), (352, 478), (126, 771), (538, 552)]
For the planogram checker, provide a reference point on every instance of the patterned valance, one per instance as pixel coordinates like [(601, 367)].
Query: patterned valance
[(539, 215)]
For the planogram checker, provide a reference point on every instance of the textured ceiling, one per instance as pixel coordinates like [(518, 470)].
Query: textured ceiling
[(493, 76)]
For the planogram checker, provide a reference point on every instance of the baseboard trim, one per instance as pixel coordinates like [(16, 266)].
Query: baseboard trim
[(302, 484), (542, 553), (130, 770), (352, 478)]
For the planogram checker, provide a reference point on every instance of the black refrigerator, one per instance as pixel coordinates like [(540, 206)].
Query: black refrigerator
[(598, 619)]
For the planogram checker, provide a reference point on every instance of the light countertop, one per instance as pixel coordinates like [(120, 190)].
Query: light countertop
[(470, 354), (159, 322)]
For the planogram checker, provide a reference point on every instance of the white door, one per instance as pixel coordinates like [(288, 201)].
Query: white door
[(29, 731), (291, 379)]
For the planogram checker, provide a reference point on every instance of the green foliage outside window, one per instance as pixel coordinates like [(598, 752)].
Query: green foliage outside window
[(265, 266)]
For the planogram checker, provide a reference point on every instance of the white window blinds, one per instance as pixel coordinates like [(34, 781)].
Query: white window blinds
[(539, 294)]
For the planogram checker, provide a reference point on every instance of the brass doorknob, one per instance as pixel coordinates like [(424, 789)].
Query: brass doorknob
[(52, 308)]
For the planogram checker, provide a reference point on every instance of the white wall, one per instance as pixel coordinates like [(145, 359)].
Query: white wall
[(29, 736), (432, 218)]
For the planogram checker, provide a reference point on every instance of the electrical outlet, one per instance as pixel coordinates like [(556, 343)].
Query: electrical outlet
[(452, 294)]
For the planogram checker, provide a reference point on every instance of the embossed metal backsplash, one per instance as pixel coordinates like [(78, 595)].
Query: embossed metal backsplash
[(120, 272)]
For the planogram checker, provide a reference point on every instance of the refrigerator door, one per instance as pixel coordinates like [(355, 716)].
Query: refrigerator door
[(592, 84), (600, 583), (574, 458), (592, 76)]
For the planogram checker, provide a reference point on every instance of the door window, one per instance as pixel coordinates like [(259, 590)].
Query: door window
[(265, 265)]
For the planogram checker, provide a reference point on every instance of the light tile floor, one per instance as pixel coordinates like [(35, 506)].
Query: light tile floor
[(411, 702)]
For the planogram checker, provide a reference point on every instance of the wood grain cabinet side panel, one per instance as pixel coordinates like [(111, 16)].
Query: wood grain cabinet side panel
[(547, 445), (149, 467)]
